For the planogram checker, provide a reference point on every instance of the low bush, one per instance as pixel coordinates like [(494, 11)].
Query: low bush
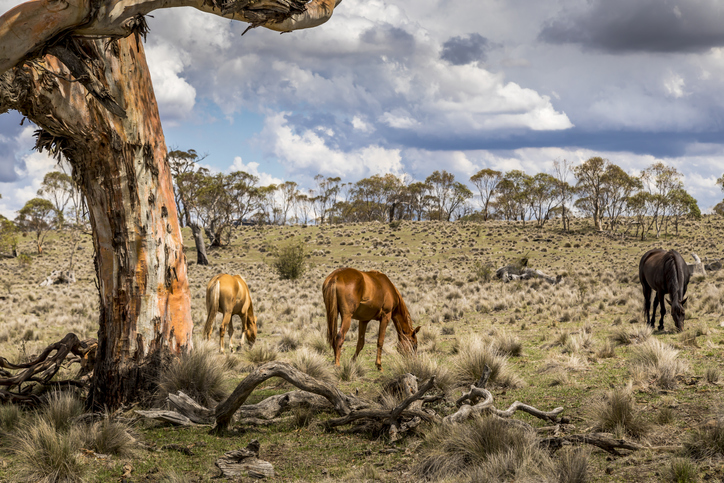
[(289, 261)]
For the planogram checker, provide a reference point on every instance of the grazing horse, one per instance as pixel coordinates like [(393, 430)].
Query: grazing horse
[(365, 296), (230, 296), (666, 273)]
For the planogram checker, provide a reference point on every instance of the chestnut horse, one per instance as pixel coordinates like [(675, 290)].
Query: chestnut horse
[(666, 273), (230, 296), (365, 296)]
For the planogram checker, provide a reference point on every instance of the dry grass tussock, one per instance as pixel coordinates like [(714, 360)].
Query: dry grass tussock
[(313, 364), (421, 365), (109, 436), (707, 441), (655, 362), (472, 357), (200, 373), (639, 334), (483, 449), (615, 411)]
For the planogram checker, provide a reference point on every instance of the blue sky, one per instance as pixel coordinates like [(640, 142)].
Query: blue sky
[(407, 86)]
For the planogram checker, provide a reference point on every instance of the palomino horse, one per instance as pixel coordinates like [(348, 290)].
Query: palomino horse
[(666, 273), (230, 296), (365, 296)]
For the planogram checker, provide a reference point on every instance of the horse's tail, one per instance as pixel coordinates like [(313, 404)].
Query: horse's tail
[(212, 304), (329, 291)]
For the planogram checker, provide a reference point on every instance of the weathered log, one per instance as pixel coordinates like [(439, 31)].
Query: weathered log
[(189, 408), (226, 410), (273, 406), (57, 277), (512, 272), (696, 268), (172, 417), (243, 462)]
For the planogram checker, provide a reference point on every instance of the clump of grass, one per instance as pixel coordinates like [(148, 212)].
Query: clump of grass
[(428, 338), (199, 373), (313, 364), (572, 466), (471, 360), (658, 362), (507, 344), (350, 370), (10, 417), (302, 416), (483, 271), (682, 470), (110, 437), (289, 341), (318, 343), (640, 333), (616, 412), (289, 261), (61, 409), (607, 350), (44, 454), (422, 366), (261, 353), (712, 375), (707, 441), (483, 449), (665, 416)]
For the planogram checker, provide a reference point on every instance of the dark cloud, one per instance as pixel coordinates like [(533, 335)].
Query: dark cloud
[(642, 25), (464, 50), (393, 39)]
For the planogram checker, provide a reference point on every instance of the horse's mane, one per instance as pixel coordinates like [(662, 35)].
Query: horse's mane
[(402, 307), (671, 274)]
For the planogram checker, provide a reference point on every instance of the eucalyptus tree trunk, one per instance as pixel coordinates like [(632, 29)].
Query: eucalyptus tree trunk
[(120, 166)]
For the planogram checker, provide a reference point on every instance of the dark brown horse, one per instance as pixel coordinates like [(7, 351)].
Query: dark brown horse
[(365, 296), (666, 273)]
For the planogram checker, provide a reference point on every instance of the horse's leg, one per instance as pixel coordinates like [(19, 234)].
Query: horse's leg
[(663, 311), (222, 330), (647, 303), (231, 333), (209, 324), (344, 327), (244, 328), (361, 337), (381, 340)]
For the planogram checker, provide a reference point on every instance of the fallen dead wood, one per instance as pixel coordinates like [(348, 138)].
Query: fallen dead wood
[(225, 411), (44, 367), (245, 462), (477, 392), (512, 272), (604, 441)]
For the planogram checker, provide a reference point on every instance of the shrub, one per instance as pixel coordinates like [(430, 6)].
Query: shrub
[(421, 366), (199, 373), (659, 362), (483, 272), (572, 466), (110, 437), (707, 441), (616, 412), (261, 353), (61, 409), (289, 261), (682, 470), (471, 360), (313, 364), (484, 449), (350, 369), (45, 454)]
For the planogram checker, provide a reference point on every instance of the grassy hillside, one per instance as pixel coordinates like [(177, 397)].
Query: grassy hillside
[(570, 344)]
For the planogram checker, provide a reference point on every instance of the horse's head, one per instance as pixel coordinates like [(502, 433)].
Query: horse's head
[(250, 330), (678, 313), (408, 344)]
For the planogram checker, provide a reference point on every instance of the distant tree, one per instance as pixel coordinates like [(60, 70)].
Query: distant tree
[(269, 211), (639, 207), (8, 237), (719, 208), (683, 205), (446, 194), (618, 186), (416, 195), (325, 196), (486, 181), (303, 204), (541, 192), (37, 216), (661, 181), (590, 182), (183, 166), (287, 194), (511, 202), (57, 187), (244, 196), (564, 191)]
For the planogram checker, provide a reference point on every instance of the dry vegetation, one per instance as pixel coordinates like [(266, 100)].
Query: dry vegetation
[(580, 344)]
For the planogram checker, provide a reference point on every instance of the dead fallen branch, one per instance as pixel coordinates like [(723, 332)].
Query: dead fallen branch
[(225, 411), (604, 441), (44, 367), (245, 462)]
